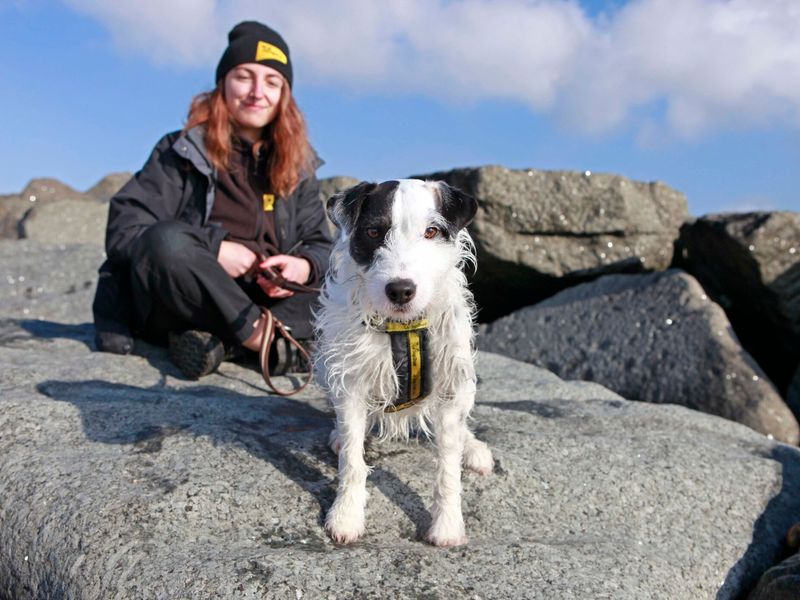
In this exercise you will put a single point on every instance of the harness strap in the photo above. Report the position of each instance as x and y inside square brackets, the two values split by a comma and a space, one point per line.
[409, 343]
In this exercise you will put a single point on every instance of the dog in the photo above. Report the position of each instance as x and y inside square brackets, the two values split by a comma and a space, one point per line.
[395, 337]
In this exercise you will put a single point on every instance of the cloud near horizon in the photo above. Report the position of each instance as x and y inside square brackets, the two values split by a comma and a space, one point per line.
[665, 68]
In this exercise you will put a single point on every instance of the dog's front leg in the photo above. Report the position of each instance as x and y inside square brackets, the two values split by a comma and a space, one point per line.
[345, 520]
[447, 523]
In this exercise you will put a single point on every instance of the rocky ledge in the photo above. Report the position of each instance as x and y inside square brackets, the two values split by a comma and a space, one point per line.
[119, 479]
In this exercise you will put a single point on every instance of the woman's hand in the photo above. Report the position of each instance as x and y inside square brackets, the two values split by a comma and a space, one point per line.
[292, 268]
[235, 258]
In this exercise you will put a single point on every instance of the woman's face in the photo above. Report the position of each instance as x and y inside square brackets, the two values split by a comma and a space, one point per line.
[252, 93]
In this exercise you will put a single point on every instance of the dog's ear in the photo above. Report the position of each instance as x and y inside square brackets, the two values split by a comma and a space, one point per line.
[457, 207]
[343, 208]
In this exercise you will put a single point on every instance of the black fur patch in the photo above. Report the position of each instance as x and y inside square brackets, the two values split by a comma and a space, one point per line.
[364, 209]
[456, 207]
[375, 216]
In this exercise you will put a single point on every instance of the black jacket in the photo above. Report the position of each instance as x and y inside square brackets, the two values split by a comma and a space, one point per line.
[178, 182]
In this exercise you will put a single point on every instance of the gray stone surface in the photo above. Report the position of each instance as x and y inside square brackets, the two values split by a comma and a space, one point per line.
[537, 232]
[654, 337]
[109, 185]
[38, 193]
[119, 479]
[750, 264]
[46, 281]
[12, 209]
[66, 222]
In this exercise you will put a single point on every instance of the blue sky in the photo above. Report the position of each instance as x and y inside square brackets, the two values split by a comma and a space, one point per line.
[703, 95]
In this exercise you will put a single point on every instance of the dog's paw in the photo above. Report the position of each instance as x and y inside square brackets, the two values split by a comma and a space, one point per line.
[344, 530]
[447, 534]
[344, 527]
[478, 457]
[335, 442]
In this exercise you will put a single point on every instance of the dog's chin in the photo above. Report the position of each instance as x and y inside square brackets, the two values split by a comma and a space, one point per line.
[401, 312]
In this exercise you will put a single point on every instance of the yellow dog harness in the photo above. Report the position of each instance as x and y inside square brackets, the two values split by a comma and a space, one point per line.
[409, 341]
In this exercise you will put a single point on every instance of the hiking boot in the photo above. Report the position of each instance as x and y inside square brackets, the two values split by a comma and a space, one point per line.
[196, 353]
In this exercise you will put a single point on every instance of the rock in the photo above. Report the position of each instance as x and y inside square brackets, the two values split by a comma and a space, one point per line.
[12, 209]
[66, 222]
[38, 192]
[330, 186]
[109, 185]
[43, 190]
[41, 281]
[656, 338]
[118, 478]
[538, 232]
[750, 264]
[781, 582]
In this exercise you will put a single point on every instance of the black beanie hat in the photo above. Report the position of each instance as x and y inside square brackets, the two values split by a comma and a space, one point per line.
[254, 42]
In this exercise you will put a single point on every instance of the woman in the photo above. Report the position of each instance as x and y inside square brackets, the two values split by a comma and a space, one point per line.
[216, 205]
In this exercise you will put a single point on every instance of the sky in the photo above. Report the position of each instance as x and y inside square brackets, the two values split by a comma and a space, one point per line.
[703, 95]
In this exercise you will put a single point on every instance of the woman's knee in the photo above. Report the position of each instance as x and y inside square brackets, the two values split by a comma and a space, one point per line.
[168, 244]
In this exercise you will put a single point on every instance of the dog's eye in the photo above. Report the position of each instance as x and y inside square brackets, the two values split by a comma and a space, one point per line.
[431, 232]
[373, 232]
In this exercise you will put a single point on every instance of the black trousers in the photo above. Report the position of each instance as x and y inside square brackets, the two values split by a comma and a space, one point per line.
[178, 284]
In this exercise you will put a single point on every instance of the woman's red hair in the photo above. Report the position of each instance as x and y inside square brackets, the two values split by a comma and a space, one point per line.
[289, 150]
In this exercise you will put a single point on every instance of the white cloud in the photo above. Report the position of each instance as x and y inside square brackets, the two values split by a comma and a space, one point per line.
[694, 64]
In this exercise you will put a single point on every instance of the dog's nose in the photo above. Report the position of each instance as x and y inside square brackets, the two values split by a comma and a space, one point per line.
[401, 291]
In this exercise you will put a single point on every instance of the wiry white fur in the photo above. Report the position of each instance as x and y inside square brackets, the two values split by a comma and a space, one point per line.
[353, 361]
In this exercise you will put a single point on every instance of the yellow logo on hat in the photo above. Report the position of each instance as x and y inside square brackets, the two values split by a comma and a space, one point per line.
[266, 51]
[269, 202]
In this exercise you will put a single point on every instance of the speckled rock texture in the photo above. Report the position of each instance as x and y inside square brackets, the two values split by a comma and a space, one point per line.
[66, 222]
[109, 185]
[38, 192]
[654, 337]
[538, 232]
[119, 479]
[750, 264]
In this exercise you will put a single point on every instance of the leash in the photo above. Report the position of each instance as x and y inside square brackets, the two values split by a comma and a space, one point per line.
[279, 280]
[272, 325]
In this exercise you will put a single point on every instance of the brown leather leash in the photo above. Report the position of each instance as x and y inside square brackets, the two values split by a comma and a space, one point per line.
[273, 324]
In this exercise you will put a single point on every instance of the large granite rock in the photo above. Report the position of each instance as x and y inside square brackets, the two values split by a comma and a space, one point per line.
[538, 232]
[66, 222]
[38, 193]
[654, 337]
[119, 479]
[12, 209]
[45, 281]
[109, 185]
[750, 264]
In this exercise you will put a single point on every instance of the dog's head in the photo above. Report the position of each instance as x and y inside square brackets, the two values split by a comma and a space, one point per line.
[404, 236]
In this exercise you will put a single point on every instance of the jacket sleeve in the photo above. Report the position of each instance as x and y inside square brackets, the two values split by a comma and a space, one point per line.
[312, 229]
[153, 194]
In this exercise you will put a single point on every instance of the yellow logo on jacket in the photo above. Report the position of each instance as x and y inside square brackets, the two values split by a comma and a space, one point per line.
[265, 51]
[269, 202]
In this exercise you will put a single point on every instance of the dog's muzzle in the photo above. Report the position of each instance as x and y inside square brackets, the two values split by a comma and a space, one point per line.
[409, 341]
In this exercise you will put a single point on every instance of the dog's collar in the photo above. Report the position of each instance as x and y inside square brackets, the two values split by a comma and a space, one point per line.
[409, 342]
